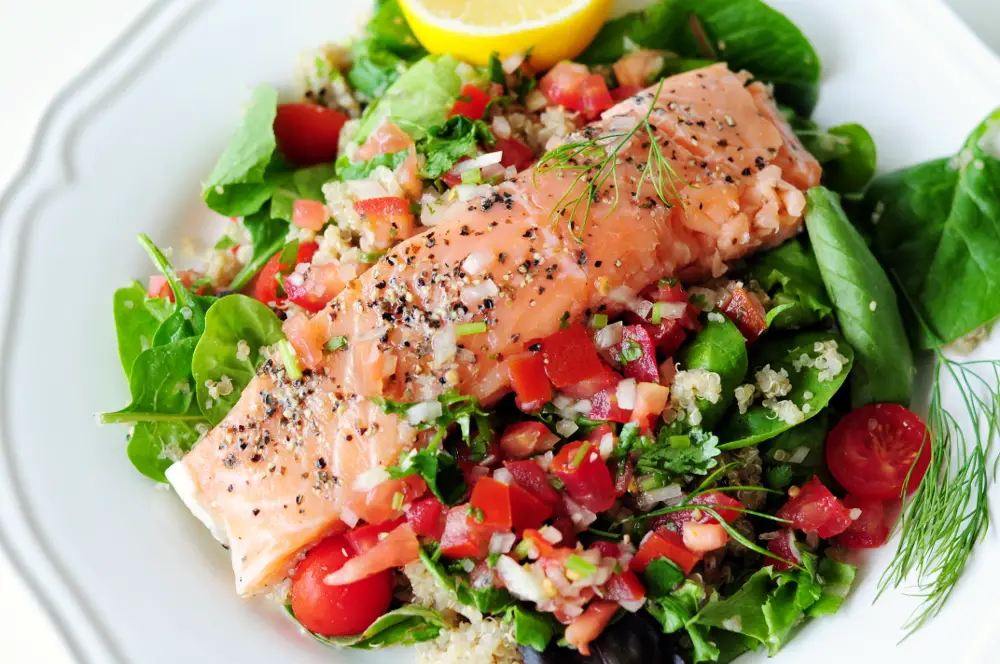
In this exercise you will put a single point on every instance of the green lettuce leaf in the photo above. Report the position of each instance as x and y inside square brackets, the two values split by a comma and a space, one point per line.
[791, 277]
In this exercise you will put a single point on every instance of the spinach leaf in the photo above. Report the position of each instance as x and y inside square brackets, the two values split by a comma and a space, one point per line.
[390, 31]
[446, 144]
[810, 359]
[809, 436]
[373, 68]
[136, 321]
[268, 236]
[405, 626]
[692, 453]
[791, 277]
[864, 302]
[531, 628]
[679, 610]
[936, 229]
[362, 169]
[745, 33]
[720, 348]
[847, 153]
[418, 99]
[188, 317]
[238, 184]
[662, 576]
[237, 328]
[155, 446]
[437, 468]
[304, 183]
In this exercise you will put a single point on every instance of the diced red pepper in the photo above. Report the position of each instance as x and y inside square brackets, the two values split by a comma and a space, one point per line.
[514, 153]
[870, 530]
[667, 336]
[604, 407]
[492, 498]
[607, 379]
[527, 511]
[426, 517]
[463, 537]
[624, 587]
[664, 543]
[636, 353]
[530, 476]
[521, 440]
[265, 287]
[471, 102]
[746, 311]
[528, 378]
[813, 509]
[570, 356]
[586, 476]
[714, 499]
[385, 220]
[366, 537]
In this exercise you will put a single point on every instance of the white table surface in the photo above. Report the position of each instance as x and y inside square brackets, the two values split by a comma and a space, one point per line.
[44, 44]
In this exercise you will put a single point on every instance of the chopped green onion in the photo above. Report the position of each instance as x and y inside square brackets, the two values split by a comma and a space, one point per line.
[465, 329]
[582, 567]
[522, 549]
[679, 441]
[492, 559]
[291, 362]
[667, 281]
[580, 455]
[657, 316]
[631, 351]
[650, 483]
[564, 321]
[698, 300]
[476, 514]
[225, 242]
[290, 253]
[397, 500]
[335, 343]
[598, 321]
[472, 176]
[370, 256]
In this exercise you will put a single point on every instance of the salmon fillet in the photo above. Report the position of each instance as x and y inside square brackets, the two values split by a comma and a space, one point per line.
[295, 460]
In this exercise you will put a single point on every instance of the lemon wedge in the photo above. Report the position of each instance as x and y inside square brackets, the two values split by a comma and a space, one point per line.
[553, 30]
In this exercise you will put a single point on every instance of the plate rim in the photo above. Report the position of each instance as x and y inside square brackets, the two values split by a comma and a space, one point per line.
[86, 637]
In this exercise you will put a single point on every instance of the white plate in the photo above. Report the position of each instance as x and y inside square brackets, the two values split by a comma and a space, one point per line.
[126, 571]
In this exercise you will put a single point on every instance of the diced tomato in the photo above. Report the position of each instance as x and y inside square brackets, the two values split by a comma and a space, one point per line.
[565, 527]
[584, 629]
[400, 547]
[667, 336]
[785, 548]
[514, 153]
[604, 407]
[492, 498]
[543, 547]
[607, 549]
[623, 92]
[668, 290]
[530, 476]
[528, 379]
[704, 537]
[386, 139]
[650, 400]
[385, 220]
[635, 352]
[871, 450]
[868, 531]
[714, 499]
[527, 511]
[158, 286]
[521, 440]
[314, 290]
[639, 68]
[310, 214]
[624, 587]
[307, 337]
[745, 310]
[463, 537]
[366, 537]
[570, 356]
[308, 134]
[265, 288]
[586, 476]
[337, 610]
[664, 543]
[563, 84]
[471, 102]
[597, 434]
[813, 509]
[426, 517]
[607, 379]
[594, 97]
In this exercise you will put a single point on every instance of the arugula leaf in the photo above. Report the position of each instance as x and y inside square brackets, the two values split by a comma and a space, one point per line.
[373, 68]
[389, 30]
[938, 235]
[864, 301]
[662, 576]
[304, 183]
[268, 236]
[720, 348]
[437, 468]
[137, 318]
[760, 423]
[847, 153]
[791, 277]
[691, 454]
[238, 184]
[362, 169]
[446, 144]
[745, 33]
[232, 320]
[531, 628]
[405, 626]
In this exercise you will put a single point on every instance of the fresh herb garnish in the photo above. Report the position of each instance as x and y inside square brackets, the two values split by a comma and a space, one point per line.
[335, 343]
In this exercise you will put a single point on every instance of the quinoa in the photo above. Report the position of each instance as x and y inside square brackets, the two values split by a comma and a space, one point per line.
[489, 641]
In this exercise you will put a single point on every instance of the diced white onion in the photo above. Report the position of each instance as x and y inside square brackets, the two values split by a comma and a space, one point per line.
[501, 127]
[376, 333]
[466, 192]
[609, 335]
[372, 477]
[389, 366]
[510, 172]
[512, 62]
[519, 581]
[579, 515]
[566, 428]
[493, 171]
[477, 261]
[632, 605]
[799, 455]
[583, 406]
[626, 394]
[503, 476]
[425, 411]
[473, 295]
[624, 295]
[561, 401]
[607, 445]
[480, 161]
[672, 309]
[468, 565]
[348, 517]
[444, 345]
[648, 499]
[550, 534]
[502, 542]
[365, 189]
[544, 460]
[535, 101]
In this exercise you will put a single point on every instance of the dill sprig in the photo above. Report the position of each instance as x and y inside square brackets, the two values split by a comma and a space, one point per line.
[948, 514]
[595, 162]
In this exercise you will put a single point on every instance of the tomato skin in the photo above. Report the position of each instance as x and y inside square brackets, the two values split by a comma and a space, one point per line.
[530, 476]
[594, 97]
[588, 480]
[715, 499]
[308, 134]
[644, 368]
[265, 288]
[813, 509]
[604, 407]
[868, 531]
[314, 290]
[870, 451]
[463, 537]
[521, 440]
[364, 538]
[514, 153]
[570, 356]
[528, 378]
[426, 517]
[473, 106]
[492, 498]
[783, 546]
[746, 312]
[563, 84]
[587, 388]
[624, 587]
[158, 286]
[337, 610]
[527, 510]
[664, 543]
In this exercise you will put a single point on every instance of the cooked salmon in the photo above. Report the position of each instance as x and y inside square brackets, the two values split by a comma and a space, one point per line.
[297, 460]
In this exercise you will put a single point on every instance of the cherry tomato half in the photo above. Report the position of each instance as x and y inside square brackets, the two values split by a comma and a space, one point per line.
[872, 449]
[308, 134]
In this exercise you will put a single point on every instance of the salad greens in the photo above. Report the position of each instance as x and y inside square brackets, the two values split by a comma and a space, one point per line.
[720, 348]
[136, 321]
[444, 145]
[847, 153]
[791, 277]
[405, 626]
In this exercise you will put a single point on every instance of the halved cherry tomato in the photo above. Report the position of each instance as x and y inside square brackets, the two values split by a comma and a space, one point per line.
[308, 134]
[813, 509]
[664, 543]
[527, 510]
[563, 84]
[514, 153]
[530, 476]
[636, 354]
[426, 517]
[650, 400]
[745, 310]
[492, 498]
[871, 450]
[624, 587]
[604, 407]
[704, 537]
[570, 356]
[265, 288]
[366, 537]
[385, 220]
[594, 97]
[337, 610]
[527, 377]
[314, 290]
[521, 440]
[586, 476]
[584, 629]
[463, 536]
[868, 531]
[471, 102]
[717, 500]
[785, 547]
[310, 214]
